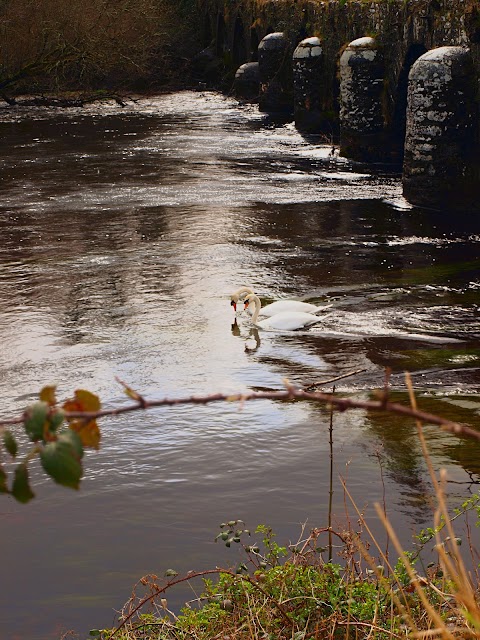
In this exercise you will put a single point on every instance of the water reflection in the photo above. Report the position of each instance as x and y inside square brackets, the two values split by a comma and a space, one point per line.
[123, 233]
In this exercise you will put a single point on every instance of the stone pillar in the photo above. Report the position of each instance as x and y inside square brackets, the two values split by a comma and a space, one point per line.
[362, 135]
[274, 67]
[308, 86]
[247, 83]
[441, 163]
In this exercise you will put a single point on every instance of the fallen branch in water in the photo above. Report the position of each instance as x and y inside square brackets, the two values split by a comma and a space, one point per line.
[66, 101]
[314, 385]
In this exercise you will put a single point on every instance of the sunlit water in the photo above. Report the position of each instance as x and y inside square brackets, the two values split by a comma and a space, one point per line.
[123, 233]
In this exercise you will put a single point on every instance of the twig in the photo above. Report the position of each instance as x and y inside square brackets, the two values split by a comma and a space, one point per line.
[330, 493]
[313, 385]
[342, 404]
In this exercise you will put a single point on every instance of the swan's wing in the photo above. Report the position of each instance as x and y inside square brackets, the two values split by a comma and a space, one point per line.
[283, 306]
[288, 321]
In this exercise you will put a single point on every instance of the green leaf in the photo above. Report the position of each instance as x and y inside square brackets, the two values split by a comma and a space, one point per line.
[3, 482]
[61, 461]
[55, 419]
[34, 420]
[21, 487]
[10, 443]
[68, 435]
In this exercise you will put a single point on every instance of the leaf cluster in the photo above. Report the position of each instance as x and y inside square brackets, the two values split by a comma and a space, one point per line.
[57, 438]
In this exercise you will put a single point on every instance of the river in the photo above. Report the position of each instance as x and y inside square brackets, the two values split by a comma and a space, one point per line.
[124, 231]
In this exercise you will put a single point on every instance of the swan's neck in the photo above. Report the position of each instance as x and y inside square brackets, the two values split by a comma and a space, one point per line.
[244, 291]
[241, 293]
[258, 306]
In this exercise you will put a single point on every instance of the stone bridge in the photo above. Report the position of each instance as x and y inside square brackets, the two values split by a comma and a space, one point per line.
[396, 81]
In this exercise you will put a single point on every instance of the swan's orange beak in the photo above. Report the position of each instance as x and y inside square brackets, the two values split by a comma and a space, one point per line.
[245, 304]
[234, 305]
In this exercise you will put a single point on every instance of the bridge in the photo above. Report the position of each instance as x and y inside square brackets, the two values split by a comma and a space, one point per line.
[395, 81]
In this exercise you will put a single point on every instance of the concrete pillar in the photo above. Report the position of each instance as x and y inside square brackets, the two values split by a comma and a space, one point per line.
[308, 86]
[362, 135]
[441, 162]
[247, 83]
[274, 66]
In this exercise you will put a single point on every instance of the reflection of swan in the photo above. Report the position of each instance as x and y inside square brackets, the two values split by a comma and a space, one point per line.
[253, 342]
[235, 328]
[254, 336]
[280, 306]
[284, 321]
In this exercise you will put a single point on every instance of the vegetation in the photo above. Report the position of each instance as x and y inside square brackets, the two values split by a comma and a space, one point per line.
[94, 44]
[297, 592]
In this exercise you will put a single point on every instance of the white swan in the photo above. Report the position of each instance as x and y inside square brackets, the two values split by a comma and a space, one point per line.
[284, 321]
[280, 306]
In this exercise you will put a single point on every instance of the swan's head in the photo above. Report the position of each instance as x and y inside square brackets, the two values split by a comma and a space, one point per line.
[238, 295]
[248, 299]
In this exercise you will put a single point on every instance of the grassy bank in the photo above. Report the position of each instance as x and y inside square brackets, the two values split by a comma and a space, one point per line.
[328, 585]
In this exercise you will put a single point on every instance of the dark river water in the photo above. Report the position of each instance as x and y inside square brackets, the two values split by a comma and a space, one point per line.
[123, 232]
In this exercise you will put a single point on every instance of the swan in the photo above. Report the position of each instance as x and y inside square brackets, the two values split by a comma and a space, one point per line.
[284, 321]
[280, 306]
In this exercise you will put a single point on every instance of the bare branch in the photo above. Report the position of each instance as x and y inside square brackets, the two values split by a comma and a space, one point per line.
[291, 393]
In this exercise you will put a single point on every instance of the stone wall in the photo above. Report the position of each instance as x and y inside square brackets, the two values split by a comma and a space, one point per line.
[402, 28]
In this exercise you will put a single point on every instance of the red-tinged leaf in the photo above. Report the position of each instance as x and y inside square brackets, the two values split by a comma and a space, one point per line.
[35, 418]
[3, 482]
[10, 443]
[89, 401]
[84, 401]
[21, 490]
[62, 463]
[88, 432]
[72, 405]
[47, 394]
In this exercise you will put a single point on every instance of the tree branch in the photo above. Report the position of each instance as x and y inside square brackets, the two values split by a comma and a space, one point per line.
[291, 393]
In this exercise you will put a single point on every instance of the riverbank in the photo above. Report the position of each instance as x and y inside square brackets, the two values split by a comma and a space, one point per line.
[57, 47]
[301, 591]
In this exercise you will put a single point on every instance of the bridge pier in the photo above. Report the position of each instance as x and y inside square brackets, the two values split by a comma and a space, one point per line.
[247, 81]
[275, 71]
[362, 131]
[309, 86]
[441, 165]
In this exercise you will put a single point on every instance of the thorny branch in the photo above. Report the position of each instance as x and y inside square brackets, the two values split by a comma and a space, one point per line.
[290, 393]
